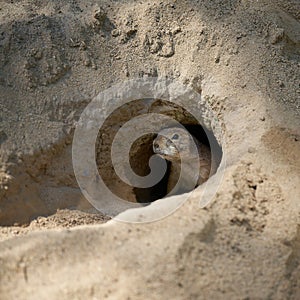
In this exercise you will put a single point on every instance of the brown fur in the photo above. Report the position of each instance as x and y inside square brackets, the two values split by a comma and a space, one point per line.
[174, 144]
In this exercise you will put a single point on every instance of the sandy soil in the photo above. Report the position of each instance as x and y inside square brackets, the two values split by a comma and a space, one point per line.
[243, 57]
[62, 219]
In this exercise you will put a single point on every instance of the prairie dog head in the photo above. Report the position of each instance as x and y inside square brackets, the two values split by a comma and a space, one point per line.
[173, 143]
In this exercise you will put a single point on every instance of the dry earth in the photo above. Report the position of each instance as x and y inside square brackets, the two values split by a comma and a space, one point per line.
[243, 57]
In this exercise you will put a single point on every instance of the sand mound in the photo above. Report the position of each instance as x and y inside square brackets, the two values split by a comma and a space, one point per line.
[242, 57]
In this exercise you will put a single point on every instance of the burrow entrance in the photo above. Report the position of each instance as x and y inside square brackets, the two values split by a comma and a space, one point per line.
[142, 149]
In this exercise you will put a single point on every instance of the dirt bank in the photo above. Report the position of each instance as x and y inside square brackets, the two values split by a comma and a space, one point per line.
[242, 57]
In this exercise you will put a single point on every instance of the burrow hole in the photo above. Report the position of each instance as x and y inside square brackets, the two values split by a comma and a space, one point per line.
[142, 148]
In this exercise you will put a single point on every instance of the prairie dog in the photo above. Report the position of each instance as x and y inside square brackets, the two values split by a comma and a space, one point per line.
[174, 144]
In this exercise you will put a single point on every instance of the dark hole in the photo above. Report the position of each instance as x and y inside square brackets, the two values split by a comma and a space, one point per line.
[254, 187]
[142, 150]
[158, 191]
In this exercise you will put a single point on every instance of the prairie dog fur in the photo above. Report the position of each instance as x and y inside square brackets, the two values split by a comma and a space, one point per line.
[174, 144]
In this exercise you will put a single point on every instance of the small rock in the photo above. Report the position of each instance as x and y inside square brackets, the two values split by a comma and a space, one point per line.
[82, 46]
[94, 66]
[126, 71]
[167, 50]
[38, 54]
[115, 32]
[99, 14]
[217, 59]
[276, 36]
[197, 84]
[86, 59]
[176, 30]
[177, 74]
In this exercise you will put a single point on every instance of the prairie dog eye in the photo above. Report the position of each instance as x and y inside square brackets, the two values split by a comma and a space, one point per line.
[175, 136]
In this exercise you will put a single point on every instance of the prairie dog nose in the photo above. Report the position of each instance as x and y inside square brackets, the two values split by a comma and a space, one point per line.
[155, 146]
